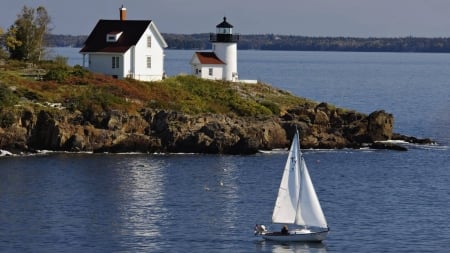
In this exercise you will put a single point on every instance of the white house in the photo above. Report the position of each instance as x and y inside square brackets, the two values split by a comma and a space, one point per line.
[221, 63]
[125, 48]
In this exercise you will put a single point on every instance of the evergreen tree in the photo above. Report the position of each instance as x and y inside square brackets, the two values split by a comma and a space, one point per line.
[25, 38]
[3, 54]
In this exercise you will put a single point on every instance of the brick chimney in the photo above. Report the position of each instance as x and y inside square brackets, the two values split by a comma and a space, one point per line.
[123, 13]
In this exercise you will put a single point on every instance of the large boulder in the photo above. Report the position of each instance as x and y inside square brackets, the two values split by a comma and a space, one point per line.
[46, 134]
[380, 126]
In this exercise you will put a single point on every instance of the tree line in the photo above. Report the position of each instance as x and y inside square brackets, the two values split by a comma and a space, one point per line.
[289, 43]
[304, 43]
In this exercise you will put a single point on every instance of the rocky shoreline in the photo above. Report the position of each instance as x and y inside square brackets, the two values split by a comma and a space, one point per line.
[321, 126]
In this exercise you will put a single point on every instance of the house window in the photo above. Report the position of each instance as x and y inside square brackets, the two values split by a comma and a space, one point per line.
[115, 62]
[149, 62]
[149, 41]
[210, 71]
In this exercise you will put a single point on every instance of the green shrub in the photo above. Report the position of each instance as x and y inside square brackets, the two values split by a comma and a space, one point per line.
[273, 107]
[248, 108]
[95, 99]
[79, 71]
[7, 97]
[57, 74]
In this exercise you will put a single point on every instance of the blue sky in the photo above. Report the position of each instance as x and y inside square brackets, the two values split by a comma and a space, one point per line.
[358, 18]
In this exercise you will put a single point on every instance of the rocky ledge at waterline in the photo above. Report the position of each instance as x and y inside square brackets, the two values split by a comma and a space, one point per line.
[151, 131]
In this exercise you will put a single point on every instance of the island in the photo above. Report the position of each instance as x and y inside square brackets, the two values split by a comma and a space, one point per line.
[53, 106]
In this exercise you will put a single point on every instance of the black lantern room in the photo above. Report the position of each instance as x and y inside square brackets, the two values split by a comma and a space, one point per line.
[224, 33]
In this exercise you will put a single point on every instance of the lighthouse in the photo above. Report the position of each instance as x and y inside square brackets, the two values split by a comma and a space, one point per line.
[221, 63]
[224, 45]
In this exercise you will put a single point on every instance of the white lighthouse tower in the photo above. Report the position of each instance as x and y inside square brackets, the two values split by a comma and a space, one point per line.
[221, 63]
[224, 45]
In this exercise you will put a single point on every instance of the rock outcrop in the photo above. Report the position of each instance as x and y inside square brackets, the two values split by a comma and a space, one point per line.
[149, 130]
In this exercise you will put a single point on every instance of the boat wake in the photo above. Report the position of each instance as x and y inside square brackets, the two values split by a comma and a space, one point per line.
[416, 146]
[5, 153]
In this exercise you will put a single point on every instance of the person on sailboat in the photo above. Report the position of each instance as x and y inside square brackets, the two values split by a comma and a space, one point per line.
[285, 230]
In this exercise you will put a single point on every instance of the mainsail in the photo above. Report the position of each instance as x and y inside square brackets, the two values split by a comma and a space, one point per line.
[286, 204]
[297, 202]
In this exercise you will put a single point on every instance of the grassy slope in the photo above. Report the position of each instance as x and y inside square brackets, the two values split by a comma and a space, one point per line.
[78, 89]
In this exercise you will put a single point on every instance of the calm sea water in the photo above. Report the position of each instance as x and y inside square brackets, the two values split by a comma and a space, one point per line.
[375, 201]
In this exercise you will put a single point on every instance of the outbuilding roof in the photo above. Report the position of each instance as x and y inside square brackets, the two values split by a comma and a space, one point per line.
[208, 58]
[132, 31]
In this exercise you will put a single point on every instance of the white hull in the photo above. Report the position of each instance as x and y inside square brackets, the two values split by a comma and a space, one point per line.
[296, 236]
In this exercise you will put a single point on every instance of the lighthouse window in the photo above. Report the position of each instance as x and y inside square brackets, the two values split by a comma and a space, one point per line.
[224, 31]
[210, 71]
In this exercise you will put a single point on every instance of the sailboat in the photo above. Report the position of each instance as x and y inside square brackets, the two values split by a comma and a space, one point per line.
[297, 204]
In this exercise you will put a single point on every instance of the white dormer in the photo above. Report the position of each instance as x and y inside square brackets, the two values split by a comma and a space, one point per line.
[113, 36]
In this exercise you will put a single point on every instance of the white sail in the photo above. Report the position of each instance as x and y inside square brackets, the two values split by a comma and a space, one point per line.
[309, 212]
[286, 204]
[297, 202]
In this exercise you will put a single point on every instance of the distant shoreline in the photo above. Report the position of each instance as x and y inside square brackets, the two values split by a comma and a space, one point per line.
[289, 43]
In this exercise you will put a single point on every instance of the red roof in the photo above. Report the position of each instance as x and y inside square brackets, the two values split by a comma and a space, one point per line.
[208, 58]
[132, 32]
